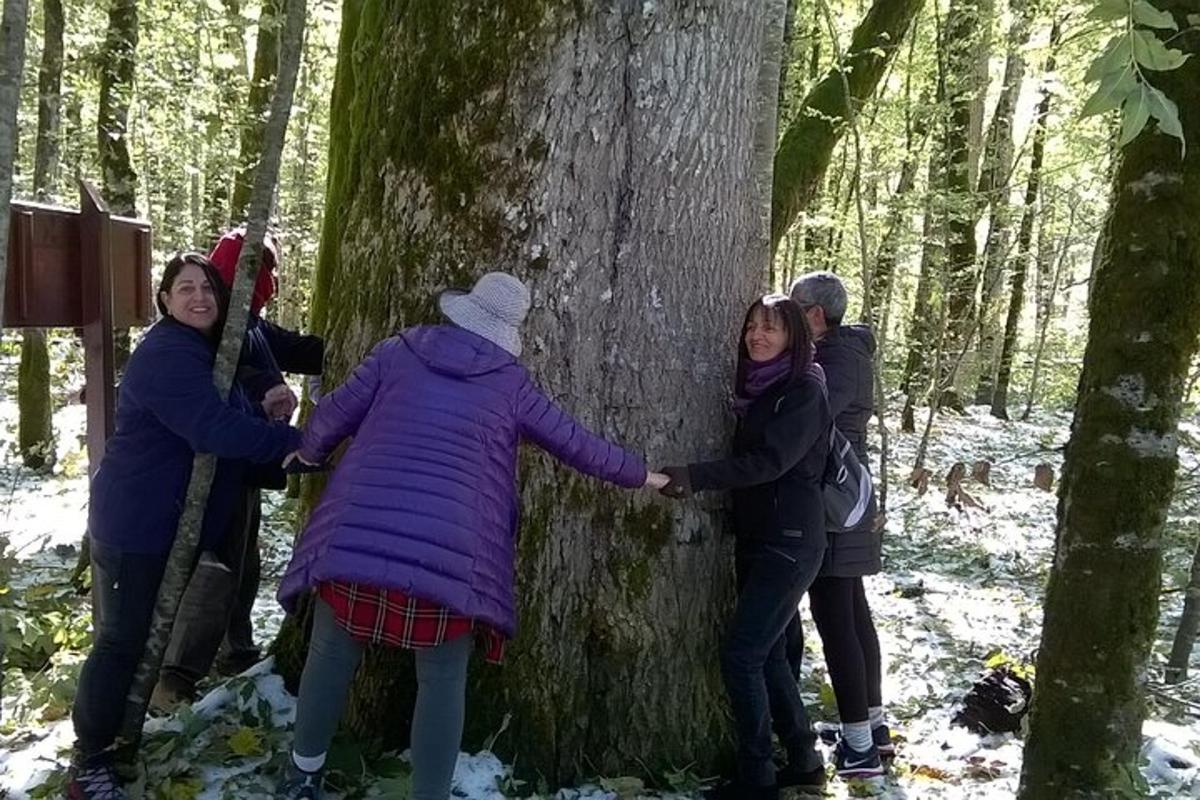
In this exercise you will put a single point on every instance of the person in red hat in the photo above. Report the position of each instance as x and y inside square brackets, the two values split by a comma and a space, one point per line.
[213, 623]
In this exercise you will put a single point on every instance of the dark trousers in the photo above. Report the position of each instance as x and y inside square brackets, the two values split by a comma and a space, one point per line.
[125, 588]
[771, 578]
[843, 617]
[214, 606]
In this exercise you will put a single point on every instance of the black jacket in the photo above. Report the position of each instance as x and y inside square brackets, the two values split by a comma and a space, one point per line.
[267, 352]
[845, 353]
[779, 453]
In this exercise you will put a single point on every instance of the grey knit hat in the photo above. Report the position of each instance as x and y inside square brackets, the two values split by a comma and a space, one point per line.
[493, 309]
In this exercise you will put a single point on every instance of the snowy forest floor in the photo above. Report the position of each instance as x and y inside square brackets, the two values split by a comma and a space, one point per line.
[960, 588]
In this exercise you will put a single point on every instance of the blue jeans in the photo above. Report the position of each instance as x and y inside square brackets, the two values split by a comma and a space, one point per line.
[124, 591]
[772, 576]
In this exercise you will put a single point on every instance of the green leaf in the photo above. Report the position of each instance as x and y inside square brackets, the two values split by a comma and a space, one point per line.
[1151, 53]
[1115, 57]
[246, 742]
[1194, 20]
[1134, 115]
[1151, 17]
[1114, 88]
[1166, 113]
[1109, 10]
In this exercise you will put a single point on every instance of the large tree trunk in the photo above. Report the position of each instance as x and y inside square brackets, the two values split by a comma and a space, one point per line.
[183, 549]
[1101, 608]
[12, 61]
[254, 121]
[1189, 625]
[35, 428]
[220, 137]
[807, 146]
[1020, 264]
[611, 158]
[994, 182]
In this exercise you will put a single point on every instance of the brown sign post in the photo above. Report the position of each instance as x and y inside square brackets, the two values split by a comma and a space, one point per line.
[81, 269]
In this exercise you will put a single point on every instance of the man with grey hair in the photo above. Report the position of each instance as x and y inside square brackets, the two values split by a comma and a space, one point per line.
[837, 598]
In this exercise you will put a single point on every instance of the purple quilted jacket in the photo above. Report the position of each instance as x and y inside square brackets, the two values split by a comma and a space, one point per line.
[425, 500]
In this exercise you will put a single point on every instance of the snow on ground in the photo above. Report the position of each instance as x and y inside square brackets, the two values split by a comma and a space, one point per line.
[959, 588]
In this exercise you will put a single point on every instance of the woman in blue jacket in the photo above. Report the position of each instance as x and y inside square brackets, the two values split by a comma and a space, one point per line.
[168, 410]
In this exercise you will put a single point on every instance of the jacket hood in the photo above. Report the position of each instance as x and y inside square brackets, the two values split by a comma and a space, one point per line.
[452, 350]
[856, 337]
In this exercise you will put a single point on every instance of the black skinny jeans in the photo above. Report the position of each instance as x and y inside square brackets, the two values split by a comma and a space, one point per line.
[843, 617]
[772, 576]
[124, 589]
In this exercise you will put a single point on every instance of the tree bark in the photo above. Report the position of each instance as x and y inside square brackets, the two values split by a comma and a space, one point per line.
[1101, 607]
[1189, 625]
[1044, 325]
[183, 550]
[266, 61]
[12, 61]
[806, 147]
[561, 152]
[994, 181]
[1020, 266]
[117, 60]
[35, 418]
[960, 44]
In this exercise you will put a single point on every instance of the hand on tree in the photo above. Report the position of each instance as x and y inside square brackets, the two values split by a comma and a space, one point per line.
[279, 402]
[679, 485]
[296, 456]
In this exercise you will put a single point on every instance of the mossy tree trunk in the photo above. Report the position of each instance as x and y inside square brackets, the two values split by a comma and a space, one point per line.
[254, 120]
[1101, 607]
[612, 157]
[962, 38]
[13, 23]
[1024, 245]
[117, 61]
[807, 146]
[995, 175]
[35, 429]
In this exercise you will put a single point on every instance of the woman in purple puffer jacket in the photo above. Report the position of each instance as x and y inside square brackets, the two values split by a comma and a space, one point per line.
[413, 542]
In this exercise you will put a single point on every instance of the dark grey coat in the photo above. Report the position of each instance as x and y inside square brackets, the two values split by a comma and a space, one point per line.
[845, 353]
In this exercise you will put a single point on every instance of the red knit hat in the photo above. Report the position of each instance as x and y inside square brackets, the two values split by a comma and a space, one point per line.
[225, 257]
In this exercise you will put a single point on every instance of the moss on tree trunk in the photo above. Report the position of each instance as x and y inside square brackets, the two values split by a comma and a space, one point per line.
[1119, 472]
[607, 156]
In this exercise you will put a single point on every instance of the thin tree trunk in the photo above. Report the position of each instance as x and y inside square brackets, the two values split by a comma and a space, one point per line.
[804, 152]
[994, 182]
[12, 62]
[35, 417]
[923, 332]
[1118, 477]
[622, 599]
[960, 43]
[1020, 265]
[1189, 625]
[266, 60]
[1044, 327]
[183, 551]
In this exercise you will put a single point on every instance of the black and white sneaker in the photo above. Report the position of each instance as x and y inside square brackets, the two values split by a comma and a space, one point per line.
[853, 764]
[298, 784]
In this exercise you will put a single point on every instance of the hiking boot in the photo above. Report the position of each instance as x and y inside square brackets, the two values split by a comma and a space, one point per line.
[736, 790]
[808, 781]
[853, 764]
[883, 742]
[230, 663]
[95, 783]
[297, 784]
